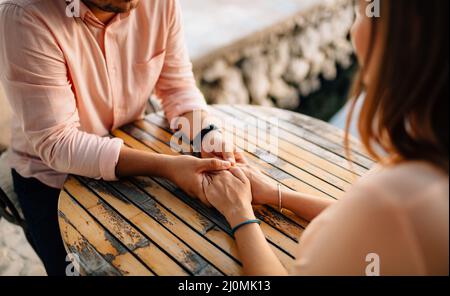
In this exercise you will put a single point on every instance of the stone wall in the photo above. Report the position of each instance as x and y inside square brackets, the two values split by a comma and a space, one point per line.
[282, 65]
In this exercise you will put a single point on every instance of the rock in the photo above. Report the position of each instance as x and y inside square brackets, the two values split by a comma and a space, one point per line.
[252, 51]
[343, 52]
[256, 70]
[285, 96]
[224, 84]
[309, 86]
[327, 33]
[309, 42]
[297, 71]
[33, 269]
[287, 63]
[329, 70]
[10, 263]
[279, 59]
[233, 84]
[316, 60]
[215, 72]
[232, 89]
[16, 255]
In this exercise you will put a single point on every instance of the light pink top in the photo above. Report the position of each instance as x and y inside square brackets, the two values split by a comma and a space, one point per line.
[71, 80]
[393, 222]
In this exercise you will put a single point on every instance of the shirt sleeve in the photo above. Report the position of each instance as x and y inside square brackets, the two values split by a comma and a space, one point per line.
[34, 75]
[176, 86]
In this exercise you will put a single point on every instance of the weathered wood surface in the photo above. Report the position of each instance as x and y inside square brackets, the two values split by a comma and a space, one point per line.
[148, 226]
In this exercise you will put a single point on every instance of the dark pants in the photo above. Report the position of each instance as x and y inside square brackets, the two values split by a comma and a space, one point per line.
[39, 204]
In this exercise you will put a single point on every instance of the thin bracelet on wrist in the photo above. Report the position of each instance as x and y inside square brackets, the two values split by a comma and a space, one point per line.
[280, 199]
[240, 225]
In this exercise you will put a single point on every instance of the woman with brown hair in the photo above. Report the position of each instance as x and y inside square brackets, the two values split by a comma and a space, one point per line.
[395, 220]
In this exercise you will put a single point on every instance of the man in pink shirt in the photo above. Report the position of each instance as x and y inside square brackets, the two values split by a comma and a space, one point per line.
[71, 79]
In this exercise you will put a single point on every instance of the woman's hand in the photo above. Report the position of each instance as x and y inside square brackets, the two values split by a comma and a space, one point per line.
[230, 193]
[264, 189]
[188, 173]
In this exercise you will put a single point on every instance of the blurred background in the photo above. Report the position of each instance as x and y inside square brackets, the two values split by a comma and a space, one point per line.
[291, 54]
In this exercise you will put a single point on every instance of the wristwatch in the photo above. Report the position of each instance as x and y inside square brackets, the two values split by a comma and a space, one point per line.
[197, 141]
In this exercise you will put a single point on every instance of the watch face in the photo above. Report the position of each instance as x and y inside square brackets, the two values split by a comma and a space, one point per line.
[197, 141]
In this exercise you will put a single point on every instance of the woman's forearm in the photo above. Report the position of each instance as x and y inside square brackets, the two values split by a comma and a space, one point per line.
[255, 253]
[133, 162]
[303, 205]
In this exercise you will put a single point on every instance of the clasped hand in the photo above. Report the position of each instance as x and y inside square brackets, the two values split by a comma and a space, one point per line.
[230, 189]
[232, 192]
[225, 181]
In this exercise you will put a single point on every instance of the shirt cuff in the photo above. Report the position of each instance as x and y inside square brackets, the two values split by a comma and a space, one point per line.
[109, 158]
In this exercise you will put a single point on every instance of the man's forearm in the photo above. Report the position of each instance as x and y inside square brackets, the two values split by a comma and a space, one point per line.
[134, 162]
[197, 120]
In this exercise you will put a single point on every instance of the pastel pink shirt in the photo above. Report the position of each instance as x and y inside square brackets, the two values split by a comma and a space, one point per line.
[71, 80]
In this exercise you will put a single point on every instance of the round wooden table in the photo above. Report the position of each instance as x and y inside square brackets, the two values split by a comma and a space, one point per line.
[148, 226]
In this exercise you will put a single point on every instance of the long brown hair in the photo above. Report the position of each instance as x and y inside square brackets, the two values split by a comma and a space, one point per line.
[405, 110]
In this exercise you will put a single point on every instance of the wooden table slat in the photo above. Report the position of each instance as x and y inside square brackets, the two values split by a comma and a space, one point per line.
[148, 226]
[139, 145]
[332, 152]
[212, 214]
[279, 218]
[311, 125]
[322, 139]
[315, 150]
[125, 232]
[107, 246]
[171, 202]
[216, 235]
[332, 186]
[269, 169]
[275, 219]
[90, 262]
[320, 163]
[314, 125]
[183, 211]
[179, 228]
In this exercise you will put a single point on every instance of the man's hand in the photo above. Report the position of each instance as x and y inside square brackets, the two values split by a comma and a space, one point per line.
[215, 145]
[188, 173]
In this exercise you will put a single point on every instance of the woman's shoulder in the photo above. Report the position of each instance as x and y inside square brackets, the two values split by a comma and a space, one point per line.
[382, 214]
[409, 203]
[406, 182]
